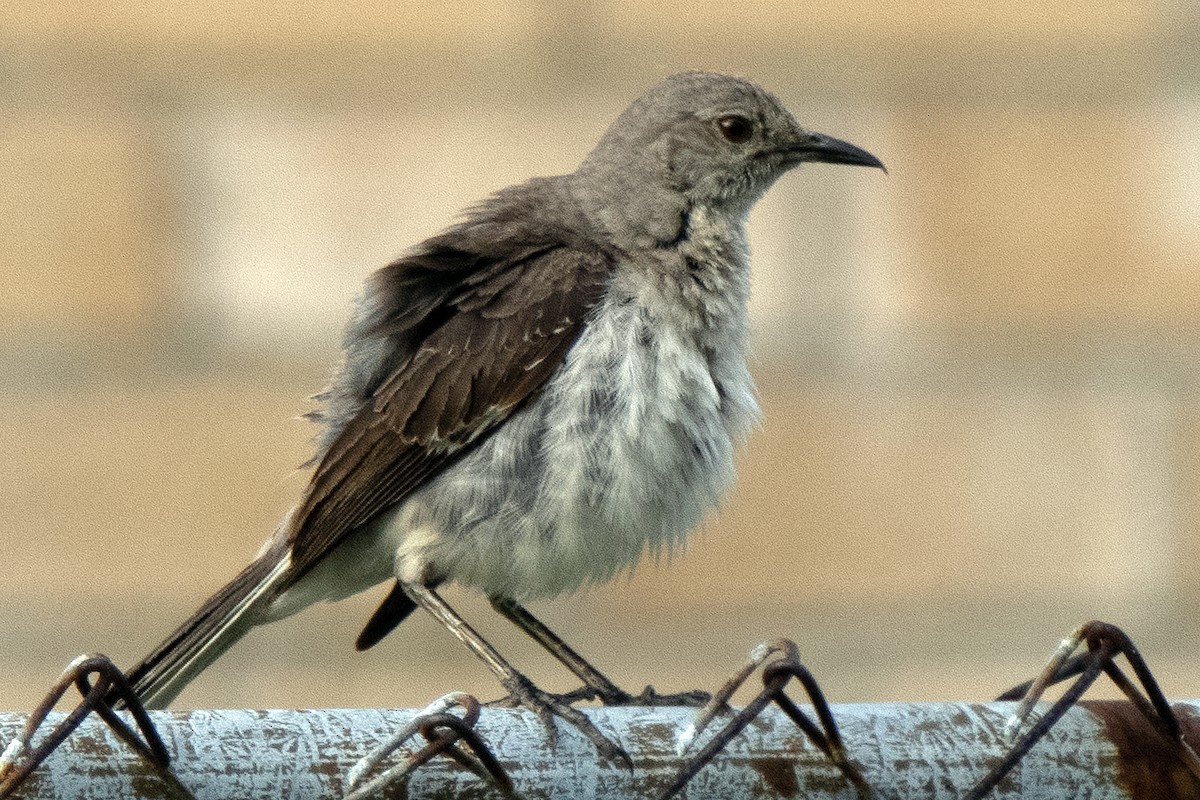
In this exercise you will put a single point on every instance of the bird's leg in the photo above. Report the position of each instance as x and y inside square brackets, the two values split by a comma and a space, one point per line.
[600, 686]
[520, 688]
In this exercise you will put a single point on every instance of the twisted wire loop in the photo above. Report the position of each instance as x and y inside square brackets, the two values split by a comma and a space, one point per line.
[442, 731]
[775, 676]
[21, 758]
[1104, 643]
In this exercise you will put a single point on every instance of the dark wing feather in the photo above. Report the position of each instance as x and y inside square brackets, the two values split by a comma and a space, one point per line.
[475, 352]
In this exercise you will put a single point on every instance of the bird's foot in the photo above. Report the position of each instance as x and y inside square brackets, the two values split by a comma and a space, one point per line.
[615, 696]
[522, 692]
[695, 698]
[649, 696]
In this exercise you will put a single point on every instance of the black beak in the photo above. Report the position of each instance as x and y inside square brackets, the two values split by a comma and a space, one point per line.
[819, 147]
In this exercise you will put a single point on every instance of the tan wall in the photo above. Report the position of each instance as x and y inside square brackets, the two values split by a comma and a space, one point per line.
[979, 373]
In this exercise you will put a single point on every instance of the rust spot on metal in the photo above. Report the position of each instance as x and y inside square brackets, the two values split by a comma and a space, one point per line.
[778, 774]
[329, 768]
[1189, 723]
[653, 735]
[147, 784]
[1147, 763]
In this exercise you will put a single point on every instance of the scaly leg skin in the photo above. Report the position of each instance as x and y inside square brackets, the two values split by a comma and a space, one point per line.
[595, 684]
[521, 690]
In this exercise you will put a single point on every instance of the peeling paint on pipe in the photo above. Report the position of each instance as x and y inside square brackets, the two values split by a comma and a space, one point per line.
[930, 751]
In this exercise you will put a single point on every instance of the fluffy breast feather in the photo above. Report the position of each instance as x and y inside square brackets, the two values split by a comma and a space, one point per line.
[627, 447]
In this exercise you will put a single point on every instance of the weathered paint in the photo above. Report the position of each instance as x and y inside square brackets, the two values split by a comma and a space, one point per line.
[933, 751]
[1147, 766]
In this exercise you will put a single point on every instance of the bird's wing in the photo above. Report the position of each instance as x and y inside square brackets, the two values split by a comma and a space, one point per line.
[471, 356]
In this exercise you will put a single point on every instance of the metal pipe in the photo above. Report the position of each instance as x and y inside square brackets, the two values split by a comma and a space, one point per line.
[1099, 750]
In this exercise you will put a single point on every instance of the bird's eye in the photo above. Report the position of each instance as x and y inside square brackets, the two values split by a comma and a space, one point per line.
[736, 128]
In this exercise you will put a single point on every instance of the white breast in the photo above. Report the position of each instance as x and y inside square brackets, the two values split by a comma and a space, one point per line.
[623, 452]
[630, 443]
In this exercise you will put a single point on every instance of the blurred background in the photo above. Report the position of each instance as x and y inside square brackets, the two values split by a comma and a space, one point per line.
[980, 373]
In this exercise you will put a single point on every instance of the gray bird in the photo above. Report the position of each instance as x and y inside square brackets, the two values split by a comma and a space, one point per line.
[532, 399]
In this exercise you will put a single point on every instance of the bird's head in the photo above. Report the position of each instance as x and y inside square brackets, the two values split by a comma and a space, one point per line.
[714, 139]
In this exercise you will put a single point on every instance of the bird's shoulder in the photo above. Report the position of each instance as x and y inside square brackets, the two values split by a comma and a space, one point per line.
[526, 248]
[447, 343]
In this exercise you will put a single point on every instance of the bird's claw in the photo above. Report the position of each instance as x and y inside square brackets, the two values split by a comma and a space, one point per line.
[522, 692]
[695, 698]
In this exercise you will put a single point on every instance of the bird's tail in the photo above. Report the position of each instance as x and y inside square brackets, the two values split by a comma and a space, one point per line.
[224, 619]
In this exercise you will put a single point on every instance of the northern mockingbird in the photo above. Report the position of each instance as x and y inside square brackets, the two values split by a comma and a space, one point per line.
[532, 399]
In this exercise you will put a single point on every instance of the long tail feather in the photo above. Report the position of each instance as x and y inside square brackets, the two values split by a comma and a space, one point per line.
[224, 619]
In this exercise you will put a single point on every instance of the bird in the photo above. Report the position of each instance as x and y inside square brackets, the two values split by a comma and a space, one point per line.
[532, 399]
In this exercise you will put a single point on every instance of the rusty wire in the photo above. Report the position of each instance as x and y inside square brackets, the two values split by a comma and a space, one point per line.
[775, 677]
[21, 758]
[103, 687]
[442, 731]
[1104, 643]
